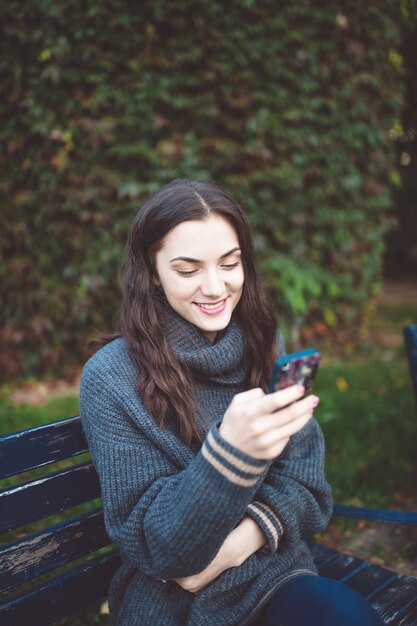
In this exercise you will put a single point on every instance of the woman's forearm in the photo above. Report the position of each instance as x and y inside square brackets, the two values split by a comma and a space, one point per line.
[244, 540]
[240, 544]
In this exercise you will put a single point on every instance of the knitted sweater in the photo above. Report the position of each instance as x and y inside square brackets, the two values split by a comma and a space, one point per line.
[169, 508]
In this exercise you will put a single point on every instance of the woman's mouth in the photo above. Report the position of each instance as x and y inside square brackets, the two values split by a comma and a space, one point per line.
[212, 308]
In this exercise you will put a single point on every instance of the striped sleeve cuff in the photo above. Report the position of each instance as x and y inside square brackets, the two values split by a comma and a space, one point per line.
[269, 521]
[238, 467]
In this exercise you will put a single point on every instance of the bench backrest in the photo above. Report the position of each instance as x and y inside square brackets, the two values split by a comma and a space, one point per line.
[54, 594]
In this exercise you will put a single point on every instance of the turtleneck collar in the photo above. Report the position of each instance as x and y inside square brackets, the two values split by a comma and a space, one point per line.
[221, 362]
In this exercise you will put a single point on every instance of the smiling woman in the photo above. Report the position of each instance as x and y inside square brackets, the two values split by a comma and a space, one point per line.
[184, 242]
[200, 271]
[209, 484]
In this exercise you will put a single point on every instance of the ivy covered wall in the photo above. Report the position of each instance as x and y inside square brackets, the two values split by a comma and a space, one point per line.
[286, 105]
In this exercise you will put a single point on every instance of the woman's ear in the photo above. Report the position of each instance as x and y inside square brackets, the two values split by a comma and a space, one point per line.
[155, 279]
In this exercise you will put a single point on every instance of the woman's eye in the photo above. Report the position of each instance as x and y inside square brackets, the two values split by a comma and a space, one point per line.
[186, 272]
[230, 266]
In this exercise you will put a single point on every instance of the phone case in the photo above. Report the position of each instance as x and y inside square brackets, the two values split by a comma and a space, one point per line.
[298, 368]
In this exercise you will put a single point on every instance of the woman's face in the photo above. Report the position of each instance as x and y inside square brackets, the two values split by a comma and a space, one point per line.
[200, 270]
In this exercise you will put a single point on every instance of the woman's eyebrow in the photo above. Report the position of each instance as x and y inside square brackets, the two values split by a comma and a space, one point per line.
[188, 259]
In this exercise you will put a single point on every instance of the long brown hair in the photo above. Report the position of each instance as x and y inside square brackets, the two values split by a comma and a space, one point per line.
[164, 382]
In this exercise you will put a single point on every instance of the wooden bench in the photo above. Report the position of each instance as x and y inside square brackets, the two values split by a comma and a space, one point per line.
[73, 561]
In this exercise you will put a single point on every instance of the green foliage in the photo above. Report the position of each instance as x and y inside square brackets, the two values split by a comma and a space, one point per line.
[368, 417]
[401, 257]
[286, 106]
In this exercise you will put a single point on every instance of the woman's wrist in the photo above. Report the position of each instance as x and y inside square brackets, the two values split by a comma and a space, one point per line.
[239, 545]
[246, 539]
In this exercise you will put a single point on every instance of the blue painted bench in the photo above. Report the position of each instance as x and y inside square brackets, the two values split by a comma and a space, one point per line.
[49, 574]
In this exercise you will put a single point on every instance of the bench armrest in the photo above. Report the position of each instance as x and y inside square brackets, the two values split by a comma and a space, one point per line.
[385, 516]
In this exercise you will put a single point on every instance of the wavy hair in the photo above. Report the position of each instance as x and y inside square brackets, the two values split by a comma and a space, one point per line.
[164, 382]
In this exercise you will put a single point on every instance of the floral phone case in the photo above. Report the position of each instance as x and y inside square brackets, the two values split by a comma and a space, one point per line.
[298, 368]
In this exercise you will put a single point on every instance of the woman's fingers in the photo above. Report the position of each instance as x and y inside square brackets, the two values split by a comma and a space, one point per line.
[248, 396]
[290, 413]
[261, 425]
[287, 430]
[271, 444]
[272, 432]
[257, 402]
[274, 401]
[260, 421]
[269, 412]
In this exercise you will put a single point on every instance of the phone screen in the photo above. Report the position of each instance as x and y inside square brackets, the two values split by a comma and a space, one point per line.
[298, 368]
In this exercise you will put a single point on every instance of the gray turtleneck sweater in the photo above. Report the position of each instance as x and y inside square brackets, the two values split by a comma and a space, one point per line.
[169, 508]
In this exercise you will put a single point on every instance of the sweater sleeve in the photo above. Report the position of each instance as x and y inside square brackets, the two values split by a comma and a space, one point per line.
[294, 500]
[169, 522]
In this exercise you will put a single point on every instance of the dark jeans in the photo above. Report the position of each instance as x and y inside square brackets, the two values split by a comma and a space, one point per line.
[317, 601]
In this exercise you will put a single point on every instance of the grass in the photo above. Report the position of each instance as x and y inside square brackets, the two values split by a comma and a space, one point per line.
[369, 419]
[19, 416]
[367, 414]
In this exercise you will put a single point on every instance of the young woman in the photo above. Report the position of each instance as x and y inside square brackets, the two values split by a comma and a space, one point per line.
[210, 487]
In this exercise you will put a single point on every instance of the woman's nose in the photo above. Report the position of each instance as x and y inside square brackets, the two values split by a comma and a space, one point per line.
[213, 284]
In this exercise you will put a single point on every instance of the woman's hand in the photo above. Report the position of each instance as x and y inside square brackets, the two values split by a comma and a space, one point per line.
[261, 425]
[243, 541]
[197, 582]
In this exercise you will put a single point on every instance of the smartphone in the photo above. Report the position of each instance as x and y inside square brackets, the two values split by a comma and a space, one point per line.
[298, 368]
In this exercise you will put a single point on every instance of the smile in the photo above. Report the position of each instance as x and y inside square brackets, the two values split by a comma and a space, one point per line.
[212, 309]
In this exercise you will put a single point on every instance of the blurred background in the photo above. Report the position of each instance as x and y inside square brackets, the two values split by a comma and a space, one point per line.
[305, 112]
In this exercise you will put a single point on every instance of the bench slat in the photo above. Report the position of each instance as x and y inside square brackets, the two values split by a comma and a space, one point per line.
[60, 596]
[62, 543]
[47, 495]
[323, 555]
[342, 567]
[396, 599]
[39, 446]
[371, 580]
[393, 596]
[410, 619]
